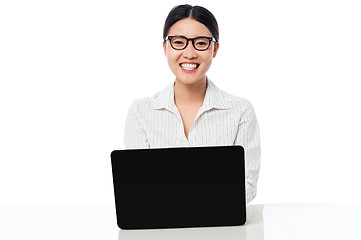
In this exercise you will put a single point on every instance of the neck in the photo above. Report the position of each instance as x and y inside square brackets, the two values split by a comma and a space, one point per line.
[190, 93]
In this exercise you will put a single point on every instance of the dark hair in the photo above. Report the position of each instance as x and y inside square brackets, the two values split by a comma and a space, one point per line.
[197, 13]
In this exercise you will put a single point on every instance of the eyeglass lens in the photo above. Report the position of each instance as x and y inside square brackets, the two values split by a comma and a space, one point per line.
[179, 43]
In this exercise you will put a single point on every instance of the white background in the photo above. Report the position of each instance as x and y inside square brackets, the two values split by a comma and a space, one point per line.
[70, 69]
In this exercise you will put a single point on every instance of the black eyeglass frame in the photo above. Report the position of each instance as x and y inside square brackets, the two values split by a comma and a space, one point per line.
[211, 39]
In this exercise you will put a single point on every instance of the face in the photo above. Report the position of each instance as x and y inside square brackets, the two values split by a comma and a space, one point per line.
[189, 28]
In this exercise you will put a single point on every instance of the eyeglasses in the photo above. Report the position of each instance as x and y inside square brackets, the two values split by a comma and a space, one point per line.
[199, 43]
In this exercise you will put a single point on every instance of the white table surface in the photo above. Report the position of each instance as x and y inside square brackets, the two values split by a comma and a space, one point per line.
[264, 221]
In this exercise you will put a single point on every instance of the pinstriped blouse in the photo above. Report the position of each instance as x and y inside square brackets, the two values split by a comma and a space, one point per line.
[222, 120]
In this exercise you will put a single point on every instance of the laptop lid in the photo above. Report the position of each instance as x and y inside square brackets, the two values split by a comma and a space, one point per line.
[179, 187]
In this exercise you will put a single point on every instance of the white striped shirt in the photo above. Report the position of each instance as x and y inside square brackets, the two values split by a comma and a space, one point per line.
[222, 120]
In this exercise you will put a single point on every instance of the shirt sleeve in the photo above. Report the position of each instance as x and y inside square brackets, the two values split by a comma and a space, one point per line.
[248, 137]
[134, 134]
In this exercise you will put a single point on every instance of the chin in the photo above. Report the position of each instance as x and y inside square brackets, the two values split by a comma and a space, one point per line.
[189, 79]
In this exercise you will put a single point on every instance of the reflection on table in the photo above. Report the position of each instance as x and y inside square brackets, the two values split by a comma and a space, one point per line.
[253, 229]
[268, 221]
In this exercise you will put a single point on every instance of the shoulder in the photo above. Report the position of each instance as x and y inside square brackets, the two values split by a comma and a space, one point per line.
[236, 103]
[140, 104]
[240, 107]
[145, 104]
[157, 101]
[237, 106]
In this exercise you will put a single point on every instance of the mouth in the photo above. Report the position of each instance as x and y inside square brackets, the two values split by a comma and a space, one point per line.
[189, 66]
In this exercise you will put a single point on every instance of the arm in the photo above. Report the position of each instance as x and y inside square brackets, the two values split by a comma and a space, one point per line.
[134, 135]
[248, 137]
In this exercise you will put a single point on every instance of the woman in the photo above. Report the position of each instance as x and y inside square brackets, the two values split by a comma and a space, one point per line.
[192, 111]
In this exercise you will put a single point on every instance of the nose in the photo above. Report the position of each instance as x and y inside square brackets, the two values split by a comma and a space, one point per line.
[190, 52]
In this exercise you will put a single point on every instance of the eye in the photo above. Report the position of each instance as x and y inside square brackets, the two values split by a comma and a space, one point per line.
[178, 42]
[201, 43]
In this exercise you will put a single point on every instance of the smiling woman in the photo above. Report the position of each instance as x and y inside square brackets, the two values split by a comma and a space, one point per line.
[192, 111]
[184, 58]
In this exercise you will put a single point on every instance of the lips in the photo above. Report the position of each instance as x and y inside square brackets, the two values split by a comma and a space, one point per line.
[189, 66]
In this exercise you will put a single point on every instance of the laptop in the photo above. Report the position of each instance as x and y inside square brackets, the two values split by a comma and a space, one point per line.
[179, 187]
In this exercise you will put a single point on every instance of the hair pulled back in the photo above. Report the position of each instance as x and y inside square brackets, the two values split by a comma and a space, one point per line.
[197, 13]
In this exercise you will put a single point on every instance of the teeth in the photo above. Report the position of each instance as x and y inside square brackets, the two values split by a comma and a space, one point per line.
[188, 66]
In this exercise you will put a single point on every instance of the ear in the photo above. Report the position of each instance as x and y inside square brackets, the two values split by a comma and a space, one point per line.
[165, 47]
[215, 50]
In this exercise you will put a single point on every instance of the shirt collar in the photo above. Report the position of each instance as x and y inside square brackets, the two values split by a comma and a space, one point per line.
[212, 99]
